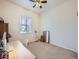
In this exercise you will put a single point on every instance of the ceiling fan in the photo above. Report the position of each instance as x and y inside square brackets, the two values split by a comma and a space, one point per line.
[38, 3]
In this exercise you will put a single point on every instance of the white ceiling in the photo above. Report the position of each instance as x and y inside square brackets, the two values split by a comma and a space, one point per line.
[28, 5]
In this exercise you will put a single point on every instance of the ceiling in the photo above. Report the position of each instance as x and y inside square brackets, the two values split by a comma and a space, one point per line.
[28, 5]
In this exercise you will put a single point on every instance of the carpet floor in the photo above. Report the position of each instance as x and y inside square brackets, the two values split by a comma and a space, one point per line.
[47, 51]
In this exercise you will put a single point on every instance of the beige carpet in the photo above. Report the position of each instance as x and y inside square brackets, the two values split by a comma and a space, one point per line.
[47, 51]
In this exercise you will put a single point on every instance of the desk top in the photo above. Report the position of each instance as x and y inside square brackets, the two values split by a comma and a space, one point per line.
[20, 52]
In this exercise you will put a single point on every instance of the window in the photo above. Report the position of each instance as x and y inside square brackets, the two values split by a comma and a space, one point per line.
[26, 24]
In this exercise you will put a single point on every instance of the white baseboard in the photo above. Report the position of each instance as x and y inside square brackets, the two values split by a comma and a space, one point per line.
[64, 47]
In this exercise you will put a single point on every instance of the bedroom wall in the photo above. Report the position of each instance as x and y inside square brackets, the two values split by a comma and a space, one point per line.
[11, 14]
[62, 24]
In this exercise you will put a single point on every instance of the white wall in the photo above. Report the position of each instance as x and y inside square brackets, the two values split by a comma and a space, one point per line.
[11, 14]
[62, 24]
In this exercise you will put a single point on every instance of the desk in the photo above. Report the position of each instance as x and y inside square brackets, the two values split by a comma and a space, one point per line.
[20, 52]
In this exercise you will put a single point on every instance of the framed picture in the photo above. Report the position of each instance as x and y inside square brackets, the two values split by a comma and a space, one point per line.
[25, 24]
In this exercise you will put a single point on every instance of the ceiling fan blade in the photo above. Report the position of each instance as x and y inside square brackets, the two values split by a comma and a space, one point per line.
[43, 1]
[32, 0]
[38, 0]
[34, 5]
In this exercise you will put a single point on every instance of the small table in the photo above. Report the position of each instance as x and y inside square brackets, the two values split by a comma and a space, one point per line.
[3, 54]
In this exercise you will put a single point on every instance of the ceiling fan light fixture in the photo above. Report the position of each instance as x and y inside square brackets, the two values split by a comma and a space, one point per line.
[40, 6]
[37, 4]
